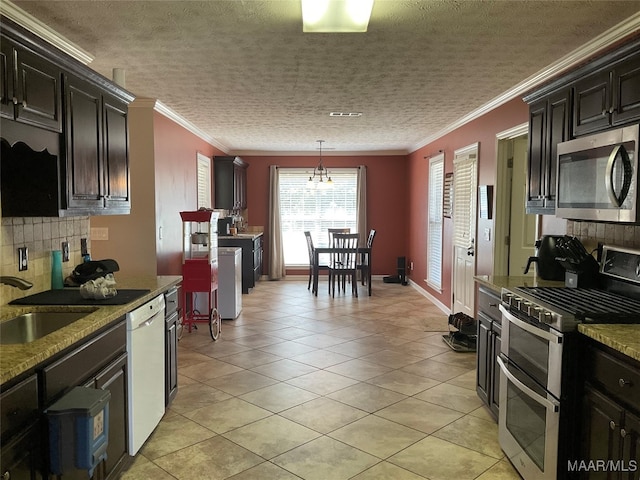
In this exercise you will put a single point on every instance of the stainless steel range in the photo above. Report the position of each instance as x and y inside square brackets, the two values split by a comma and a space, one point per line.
[539, 361]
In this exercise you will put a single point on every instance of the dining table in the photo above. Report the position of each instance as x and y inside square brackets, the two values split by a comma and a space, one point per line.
[363, 252]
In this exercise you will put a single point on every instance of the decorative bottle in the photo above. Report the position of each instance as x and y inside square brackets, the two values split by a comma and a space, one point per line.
[56, 270]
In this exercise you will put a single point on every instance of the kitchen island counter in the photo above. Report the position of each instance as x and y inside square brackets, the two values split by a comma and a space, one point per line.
[622, 338]
[19, 358]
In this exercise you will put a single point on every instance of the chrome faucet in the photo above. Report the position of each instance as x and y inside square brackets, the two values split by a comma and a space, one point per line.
[16, 282]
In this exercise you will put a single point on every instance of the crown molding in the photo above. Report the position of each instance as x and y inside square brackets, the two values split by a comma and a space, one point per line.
[627, 27]
[46, 33]
[517, 131]
[170, 114]
[306, 153]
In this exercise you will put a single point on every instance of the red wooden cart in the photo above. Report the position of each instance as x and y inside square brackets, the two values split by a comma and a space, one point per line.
[200, 269]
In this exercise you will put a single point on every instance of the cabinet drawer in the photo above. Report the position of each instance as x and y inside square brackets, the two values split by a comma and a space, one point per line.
[171, 301]
[80, 364]
[19, 405]
[620, 379]
[488, 302]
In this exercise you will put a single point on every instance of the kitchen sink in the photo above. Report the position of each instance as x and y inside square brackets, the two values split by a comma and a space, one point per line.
[31, 326]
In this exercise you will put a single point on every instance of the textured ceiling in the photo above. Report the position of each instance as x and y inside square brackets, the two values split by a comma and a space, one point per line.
[243, 72]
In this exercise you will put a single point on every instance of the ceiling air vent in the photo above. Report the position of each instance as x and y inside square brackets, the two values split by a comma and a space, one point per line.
[345, 114]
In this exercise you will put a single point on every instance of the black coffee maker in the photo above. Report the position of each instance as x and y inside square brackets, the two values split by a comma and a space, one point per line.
[224, 225]
[548, 268]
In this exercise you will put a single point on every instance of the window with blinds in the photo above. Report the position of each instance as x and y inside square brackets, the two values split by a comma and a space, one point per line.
[465, 183]
[434, 225]
[204, 181]
[314, 209]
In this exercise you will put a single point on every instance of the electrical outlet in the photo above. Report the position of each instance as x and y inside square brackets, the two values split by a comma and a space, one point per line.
[65, 251]
[411, 266]
[83, 247]
[23, 259]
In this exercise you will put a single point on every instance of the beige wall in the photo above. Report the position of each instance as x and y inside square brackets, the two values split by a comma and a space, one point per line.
[132, 238]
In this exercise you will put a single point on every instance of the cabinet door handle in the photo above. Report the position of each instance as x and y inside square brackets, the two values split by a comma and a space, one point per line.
[493, 305]
[622, 382]
[6, 475]
[15, 102]
[612, 425]
[623, 432]
[24, 104]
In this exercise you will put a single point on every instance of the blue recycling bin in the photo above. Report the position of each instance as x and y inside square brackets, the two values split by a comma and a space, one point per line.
[79, 430]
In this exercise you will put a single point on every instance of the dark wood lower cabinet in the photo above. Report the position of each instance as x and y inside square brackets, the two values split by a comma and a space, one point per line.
[114, 379]
[488, 349]
[22, 457]
[610, 445]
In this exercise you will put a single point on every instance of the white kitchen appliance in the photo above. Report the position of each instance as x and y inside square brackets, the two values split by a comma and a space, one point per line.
[229, 282]
[145, 370]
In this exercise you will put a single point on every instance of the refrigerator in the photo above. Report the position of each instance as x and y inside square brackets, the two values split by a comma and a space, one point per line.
[229, 282]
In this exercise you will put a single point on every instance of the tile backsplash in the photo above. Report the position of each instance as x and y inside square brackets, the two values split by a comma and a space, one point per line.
[590, 233]
[40, 235]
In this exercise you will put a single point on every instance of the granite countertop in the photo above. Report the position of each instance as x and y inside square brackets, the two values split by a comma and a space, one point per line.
[243, 235]
[19, 358]
[623, 338]
[496, 282]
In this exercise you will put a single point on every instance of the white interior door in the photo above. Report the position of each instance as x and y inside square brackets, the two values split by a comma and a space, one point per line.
[522, 235]
[465, 187]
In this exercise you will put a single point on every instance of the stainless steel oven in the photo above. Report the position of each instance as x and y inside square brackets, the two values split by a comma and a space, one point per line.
[538, 423]
[530, 390]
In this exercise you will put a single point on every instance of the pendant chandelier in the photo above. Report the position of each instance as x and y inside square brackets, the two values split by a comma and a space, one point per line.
[320, 177]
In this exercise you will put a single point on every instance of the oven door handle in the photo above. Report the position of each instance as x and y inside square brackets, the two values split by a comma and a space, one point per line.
[550, 404]
[538, 332]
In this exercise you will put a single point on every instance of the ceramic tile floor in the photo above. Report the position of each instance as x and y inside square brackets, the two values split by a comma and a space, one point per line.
[325, 388]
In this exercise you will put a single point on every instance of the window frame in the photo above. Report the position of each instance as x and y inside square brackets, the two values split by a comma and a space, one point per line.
[435, 222]
[316, 224]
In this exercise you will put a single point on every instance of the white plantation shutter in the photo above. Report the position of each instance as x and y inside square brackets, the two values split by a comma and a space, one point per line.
[434, 234]
[204, 181]
[465, 182]
[315, 210]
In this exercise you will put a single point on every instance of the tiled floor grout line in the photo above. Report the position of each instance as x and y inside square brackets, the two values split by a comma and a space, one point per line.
[383, 349]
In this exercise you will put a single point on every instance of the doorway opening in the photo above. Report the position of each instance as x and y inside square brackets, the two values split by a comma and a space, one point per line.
[515, 230]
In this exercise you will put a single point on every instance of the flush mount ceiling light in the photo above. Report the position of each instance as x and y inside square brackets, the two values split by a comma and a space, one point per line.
[336, 16]
[320, 177]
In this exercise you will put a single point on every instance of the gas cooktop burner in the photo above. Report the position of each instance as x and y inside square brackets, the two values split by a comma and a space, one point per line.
[588, 304]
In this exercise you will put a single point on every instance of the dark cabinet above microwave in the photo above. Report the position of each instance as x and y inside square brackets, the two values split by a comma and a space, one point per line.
[74, 123]
[596, 97]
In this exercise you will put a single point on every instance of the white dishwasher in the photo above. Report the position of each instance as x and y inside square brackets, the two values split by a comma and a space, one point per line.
[145, 349]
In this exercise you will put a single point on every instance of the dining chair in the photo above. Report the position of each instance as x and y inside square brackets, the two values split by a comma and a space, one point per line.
[343, 264]
[311, 250]
[363, 265]
[331, 231]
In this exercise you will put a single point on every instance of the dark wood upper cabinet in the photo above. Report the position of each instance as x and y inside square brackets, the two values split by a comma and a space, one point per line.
[548, 125]
[602, 94]
[230, 181]
[626, 92]
[116, 155]
[45, 88]
[83, 112]
[30, 88]
[608, 98]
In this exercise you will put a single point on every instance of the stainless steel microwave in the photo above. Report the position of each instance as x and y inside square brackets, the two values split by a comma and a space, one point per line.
[598, 177]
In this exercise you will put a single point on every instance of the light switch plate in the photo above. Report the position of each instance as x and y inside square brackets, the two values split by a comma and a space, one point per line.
[487, 234]
[23, 259]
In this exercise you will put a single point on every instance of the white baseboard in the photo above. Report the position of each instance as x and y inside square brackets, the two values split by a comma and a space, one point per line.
[430, 297]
